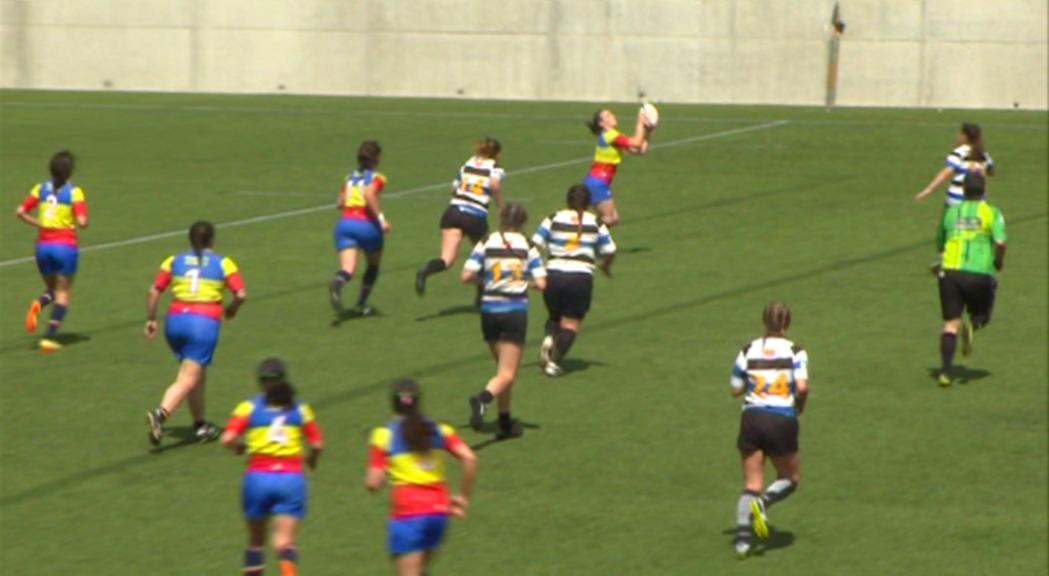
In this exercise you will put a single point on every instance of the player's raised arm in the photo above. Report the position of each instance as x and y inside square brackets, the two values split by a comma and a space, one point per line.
[942, 177]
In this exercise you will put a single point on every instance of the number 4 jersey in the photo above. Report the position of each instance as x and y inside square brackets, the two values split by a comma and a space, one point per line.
[768, 369]
[275, 436]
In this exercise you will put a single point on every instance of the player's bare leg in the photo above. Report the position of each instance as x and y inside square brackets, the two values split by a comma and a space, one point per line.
[254, 555]
[39, 303]
[189, 375]
[347, 266]
[205, 431]
[284, 528]
[410, 564]
[747, 519]
[567, 330]
[368, 280]
[608, 213]
[451, 239]
[62, 289]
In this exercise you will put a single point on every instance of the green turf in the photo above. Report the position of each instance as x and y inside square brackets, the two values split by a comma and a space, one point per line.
[632, 468]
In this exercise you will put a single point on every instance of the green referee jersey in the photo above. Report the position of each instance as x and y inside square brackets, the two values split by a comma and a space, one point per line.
[968, 234]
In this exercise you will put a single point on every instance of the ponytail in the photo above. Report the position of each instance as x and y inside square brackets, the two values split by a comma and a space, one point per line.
[415, 429]
[280, 393]
[578, 199]
[776, 318]
[974, 135]
[595, 123]
[61, 168]
[488, 148]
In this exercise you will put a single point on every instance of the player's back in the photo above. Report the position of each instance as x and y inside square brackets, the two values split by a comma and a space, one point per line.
[969, 231]
[770, 367]
[199, 277]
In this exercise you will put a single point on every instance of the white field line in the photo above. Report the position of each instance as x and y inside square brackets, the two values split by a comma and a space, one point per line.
[478, 115]
[400, 193]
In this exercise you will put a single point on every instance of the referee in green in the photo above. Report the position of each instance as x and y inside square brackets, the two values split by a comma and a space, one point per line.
[972, 240]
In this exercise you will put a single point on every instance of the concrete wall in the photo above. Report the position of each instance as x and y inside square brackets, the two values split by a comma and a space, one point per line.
[938, 53]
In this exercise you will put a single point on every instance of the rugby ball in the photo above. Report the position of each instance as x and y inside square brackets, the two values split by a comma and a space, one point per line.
[651, 114]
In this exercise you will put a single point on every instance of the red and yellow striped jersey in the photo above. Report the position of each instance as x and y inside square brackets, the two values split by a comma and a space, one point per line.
[354, 203]
[198, 282]
[418, 480]
[58, 211]
[275, 436]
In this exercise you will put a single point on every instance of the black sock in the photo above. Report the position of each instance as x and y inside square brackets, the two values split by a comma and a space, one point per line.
[505, 422]
[434, 266]
[367, 283]
[947, 344]
[552, 326]
[161, 414]
[341, 277]
[198, 423]
[58, 314]
[486, 397]
[564, 340]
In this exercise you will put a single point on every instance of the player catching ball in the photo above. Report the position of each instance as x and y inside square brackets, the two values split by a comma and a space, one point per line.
[506, 265]
[62, 208]
[611, 144]
[198, 278]
[480, 181]
[409, 450]
[972, 240]
[362, 226]
[772, 375]
[574, 240]
[281, 434]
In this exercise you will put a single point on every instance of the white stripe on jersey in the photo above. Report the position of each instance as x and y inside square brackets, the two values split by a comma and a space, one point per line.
[509, 264]
[959, 162]
[769, 368]
[574, 245]
[473, 185]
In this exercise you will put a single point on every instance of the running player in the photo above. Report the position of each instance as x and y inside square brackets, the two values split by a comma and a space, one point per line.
[574, 239]
[506, 264]
[410, 449]
[478, 183]
[62, 208]
[772, 374]
[611, 144]
[972, 240]
[278, 428]
[361, 227]
[198, 278]
[968, 156]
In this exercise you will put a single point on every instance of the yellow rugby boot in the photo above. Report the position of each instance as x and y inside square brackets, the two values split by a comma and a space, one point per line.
[761, 525]
[49, 345]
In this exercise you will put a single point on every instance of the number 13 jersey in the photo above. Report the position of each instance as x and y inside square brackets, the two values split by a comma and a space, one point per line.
[768, 368]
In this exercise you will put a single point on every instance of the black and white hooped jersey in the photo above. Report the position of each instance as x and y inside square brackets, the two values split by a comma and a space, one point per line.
[960, 162]
[507, 264]
[473, 186]
[768, 369]
[574, 240]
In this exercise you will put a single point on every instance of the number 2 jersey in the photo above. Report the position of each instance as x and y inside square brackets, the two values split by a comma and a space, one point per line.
[507, 263]
[768, 369]
[198, 283]
[275, 436]
[473, 185]
[58, 211]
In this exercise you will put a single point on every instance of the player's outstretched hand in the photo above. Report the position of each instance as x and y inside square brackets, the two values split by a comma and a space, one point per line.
[459, 506]
[151, 329]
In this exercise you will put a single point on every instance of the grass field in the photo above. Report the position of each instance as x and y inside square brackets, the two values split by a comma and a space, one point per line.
[631, 467]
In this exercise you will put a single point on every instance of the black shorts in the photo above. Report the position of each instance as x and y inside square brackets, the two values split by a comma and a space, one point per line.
[475, 227]
[773, 434]
[568, 294]
[505, 327]
[960, 291]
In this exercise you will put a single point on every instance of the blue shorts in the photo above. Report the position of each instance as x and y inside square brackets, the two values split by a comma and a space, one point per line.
[192, 336]
[56, 259]
[274, 494]
[600, 191]
[417, 533]
[358, 233]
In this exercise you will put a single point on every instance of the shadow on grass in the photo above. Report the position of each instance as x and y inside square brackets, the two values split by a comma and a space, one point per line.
[354, 314]
[490, 428]
[635, 250]
[961, 374]
[183, 435]
[450, 311]
[777, 540]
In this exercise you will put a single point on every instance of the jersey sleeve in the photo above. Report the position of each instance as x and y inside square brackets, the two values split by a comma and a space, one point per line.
[309, 425]
[163, 279]
[79, 202]
[605, 245]
[452, 442]
[535, 263]
[542, 234]
[801, 365]
[378, 447]
[379, 181]
[238, 421]
[617, 139]
[475, 261]
[998, 227]
[232, 274]
[32, 199]
[739, 372]
[497, 174]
